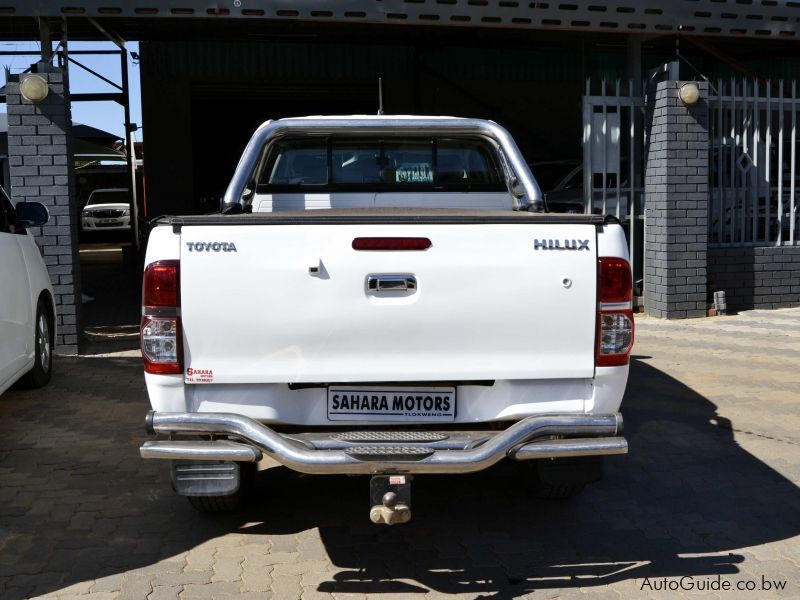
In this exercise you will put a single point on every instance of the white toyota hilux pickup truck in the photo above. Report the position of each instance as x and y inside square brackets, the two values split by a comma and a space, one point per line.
[384, 296]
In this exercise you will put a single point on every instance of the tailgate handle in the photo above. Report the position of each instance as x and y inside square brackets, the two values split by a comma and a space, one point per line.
[391, 283]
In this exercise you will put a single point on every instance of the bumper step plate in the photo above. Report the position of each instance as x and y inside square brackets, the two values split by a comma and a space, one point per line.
[389, 436]
[398, 453]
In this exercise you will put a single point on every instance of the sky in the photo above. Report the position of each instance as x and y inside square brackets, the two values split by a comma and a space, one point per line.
[108, 116]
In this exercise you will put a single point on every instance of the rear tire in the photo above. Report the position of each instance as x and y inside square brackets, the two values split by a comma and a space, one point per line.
[232, 502]
[41, 372]
[561, 478]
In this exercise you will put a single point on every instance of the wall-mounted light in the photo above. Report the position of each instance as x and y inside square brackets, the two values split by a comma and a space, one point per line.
[689, 93]
[34, 88]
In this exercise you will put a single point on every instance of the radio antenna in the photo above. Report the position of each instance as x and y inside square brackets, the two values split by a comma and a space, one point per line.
[380, 96]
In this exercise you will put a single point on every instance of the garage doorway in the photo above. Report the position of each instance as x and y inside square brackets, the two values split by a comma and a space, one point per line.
[225, 132]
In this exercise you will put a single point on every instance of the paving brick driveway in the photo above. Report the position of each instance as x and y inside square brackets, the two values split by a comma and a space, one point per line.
[709, 489]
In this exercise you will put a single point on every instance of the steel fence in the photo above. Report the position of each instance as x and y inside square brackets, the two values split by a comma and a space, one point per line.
[753, 168]
[613, 161]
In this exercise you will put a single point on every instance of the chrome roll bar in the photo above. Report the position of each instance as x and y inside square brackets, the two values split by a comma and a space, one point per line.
[385, 126]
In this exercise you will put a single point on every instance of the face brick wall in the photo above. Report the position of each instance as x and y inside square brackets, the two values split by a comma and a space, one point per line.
[676, 191]
[41, 170]
[756, 277]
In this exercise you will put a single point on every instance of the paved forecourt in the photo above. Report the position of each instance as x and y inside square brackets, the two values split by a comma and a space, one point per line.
[708, 496]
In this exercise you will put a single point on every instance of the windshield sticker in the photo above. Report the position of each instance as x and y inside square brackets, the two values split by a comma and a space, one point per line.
[414, 173]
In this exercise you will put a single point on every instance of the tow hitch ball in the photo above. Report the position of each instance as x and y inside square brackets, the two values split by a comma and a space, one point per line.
[390, 498]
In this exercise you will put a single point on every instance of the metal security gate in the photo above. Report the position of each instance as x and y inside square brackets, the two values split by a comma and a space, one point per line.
[613, 161]
[753, 164]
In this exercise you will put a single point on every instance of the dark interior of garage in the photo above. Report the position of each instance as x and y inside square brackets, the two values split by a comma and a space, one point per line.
[532, 84]
[535, 93]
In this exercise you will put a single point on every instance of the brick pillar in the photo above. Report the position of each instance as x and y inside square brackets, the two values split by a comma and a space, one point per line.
[676, 193]
[41, 170]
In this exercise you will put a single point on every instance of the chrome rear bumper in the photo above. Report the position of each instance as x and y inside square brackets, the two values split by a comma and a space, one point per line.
[539, 436]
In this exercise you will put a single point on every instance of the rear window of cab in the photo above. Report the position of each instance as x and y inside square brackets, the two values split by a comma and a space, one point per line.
[369, 165]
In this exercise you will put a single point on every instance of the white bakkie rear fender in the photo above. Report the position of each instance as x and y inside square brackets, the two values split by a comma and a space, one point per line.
[566, 410]
[385, 339]
[505, 400]
[262, 395]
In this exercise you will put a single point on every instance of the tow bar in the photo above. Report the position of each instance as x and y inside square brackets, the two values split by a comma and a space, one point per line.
[390, 496]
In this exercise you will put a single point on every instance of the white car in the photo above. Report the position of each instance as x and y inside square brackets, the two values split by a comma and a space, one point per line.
[107, 210]
[384, 296]
[27, 310]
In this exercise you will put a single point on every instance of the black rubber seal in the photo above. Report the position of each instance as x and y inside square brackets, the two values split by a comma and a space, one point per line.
[148, 422]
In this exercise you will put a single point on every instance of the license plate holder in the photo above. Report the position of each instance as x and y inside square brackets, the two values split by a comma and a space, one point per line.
[426, 404]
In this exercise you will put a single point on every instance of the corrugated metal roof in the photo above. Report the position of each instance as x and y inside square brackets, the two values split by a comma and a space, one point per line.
[746, 18]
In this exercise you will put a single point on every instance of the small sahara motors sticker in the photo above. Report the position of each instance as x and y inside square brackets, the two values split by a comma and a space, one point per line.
[199, 375]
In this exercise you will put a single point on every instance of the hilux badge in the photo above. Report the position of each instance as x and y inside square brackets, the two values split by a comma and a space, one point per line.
[211, 247]
[561, 244]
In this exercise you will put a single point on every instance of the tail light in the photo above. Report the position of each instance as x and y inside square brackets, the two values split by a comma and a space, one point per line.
[614, 312]
[161, 321]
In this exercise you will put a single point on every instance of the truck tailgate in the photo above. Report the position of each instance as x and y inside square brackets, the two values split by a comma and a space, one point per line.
[490, 303]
